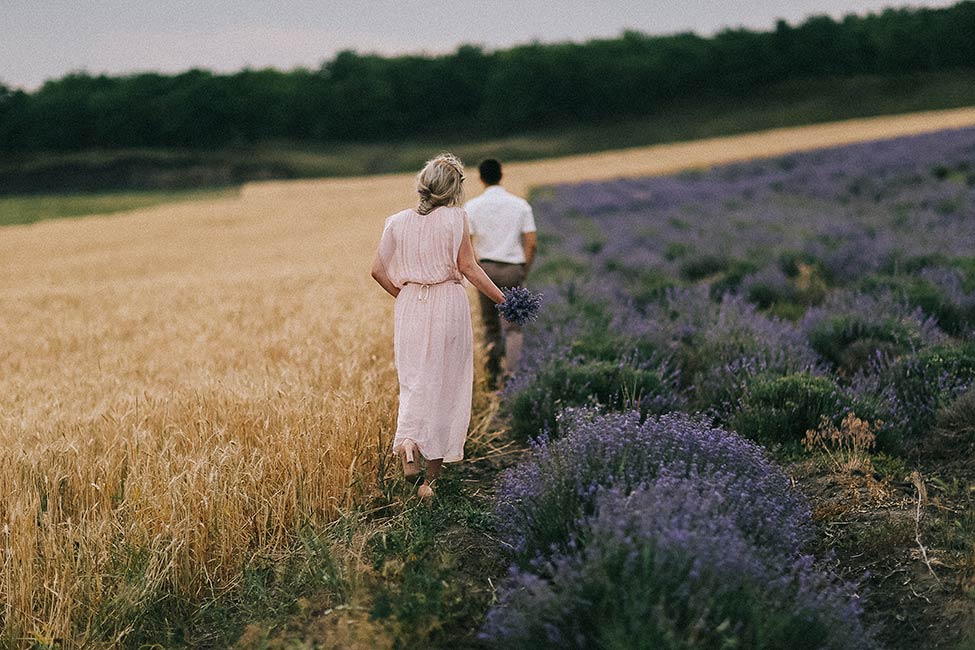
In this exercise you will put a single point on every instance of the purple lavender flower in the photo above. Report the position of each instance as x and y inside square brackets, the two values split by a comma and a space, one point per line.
[520, 305]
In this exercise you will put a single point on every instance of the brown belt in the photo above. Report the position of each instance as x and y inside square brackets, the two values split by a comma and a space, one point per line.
[425, 287]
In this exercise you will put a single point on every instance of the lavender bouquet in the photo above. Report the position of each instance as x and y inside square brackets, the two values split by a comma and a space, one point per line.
[520, 305]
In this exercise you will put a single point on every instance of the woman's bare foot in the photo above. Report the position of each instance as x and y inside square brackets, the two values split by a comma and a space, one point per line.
[425, 491]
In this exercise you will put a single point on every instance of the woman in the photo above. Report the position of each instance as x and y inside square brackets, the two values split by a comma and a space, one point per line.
[423, 255]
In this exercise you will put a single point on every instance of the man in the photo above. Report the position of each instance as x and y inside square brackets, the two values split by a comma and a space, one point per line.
[503, 233]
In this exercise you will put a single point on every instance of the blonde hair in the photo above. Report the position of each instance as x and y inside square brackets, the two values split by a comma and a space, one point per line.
[440, 182]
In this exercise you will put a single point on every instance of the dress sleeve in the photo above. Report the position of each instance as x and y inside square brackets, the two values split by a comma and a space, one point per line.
[387, 251]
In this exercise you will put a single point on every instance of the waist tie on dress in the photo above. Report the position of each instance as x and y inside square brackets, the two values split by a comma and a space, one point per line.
[425, 288]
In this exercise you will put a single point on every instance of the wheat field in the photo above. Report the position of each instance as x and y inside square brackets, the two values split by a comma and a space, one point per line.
[184, 388]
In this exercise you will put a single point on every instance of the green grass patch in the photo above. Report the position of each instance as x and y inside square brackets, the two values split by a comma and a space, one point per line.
[437, 563]
[26, 209]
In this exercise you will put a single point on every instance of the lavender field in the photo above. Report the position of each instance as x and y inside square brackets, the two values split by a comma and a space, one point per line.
[812, 311]
[852, 269]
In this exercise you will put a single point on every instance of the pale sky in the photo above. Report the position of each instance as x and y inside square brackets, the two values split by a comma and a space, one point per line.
[41, 39]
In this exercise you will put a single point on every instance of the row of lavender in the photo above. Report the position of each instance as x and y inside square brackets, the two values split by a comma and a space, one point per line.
[764, 296]
[670, 533]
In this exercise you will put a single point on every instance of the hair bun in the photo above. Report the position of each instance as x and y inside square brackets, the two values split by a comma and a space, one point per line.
[440, 182]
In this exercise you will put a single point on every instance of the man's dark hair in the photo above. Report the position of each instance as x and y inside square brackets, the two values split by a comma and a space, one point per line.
[490, 171]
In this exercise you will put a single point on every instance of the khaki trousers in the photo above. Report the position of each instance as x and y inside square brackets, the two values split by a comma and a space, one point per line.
[504, 338]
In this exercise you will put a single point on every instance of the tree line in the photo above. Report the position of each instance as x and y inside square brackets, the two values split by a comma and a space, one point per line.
[472, 91]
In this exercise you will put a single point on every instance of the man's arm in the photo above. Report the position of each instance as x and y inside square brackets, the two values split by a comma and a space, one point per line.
[528, 237]
[530, 241]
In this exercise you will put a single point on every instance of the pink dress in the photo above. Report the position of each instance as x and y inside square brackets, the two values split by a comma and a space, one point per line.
[433, 338]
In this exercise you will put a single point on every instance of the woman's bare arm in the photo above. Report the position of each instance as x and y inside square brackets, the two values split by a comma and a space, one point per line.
[467, 264]
[380, 276]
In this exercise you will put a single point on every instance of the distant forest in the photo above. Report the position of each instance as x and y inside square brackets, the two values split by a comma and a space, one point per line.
[477, 93]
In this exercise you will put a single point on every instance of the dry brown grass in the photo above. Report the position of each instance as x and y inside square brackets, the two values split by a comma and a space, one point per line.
[193, 383]
[183, 388]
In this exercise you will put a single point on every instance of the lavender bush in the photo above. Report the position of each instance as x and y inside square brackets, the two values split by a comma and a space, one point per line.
[938, 291]
[677, 563]
[850, 329]
[780, 409]
[542, 499]
[913, 389]
[723, 343]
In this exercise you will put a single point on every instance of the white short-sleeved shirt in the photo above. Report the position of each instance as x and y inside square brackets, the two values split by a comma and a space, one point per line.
[497, 220]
